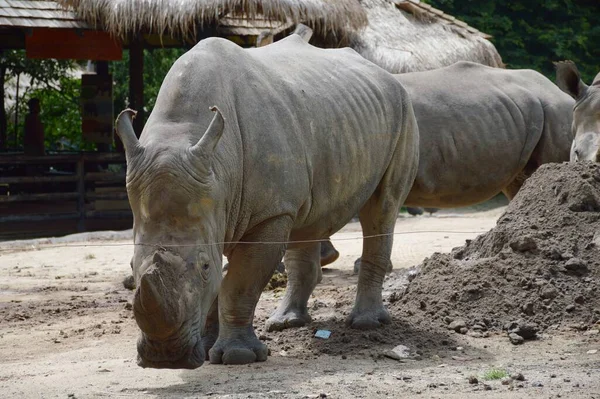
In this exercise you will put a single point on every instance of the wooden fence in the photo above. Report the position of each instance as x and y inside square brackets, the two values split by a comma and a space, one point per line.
[61, 194]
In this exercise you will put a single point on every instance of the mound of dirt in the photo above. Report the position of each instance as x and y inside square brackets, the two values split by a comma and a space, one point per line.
[539, 268]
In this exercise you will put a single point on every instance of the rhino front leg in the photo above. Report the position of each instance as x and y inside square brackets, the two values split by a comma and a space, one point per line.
[211, 329]
[303, 269]
[250, 268]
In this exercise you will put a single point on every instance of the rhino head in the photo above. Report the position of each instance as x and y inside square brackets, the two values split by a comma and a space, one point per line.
[586, 112]
[177, 268]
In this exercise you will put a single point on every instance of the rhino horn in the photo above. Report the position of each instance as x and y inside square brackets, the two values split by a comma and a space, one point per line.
[127, 134]
[203, 150]
[148, 297]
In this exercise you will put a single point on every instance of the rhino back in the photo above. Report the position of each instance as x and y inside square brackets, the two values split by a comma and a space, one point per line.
[479, 126]
[309, 132]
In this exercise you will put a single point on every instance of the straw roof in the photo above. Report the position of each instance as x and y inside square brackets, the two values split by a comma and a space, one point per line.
[408, 35]
[36, 14]
[184, 18]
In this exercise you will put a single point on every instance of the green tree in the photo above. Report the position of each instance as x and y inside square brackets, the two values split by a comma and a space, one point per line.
[46, 76]
[534, 33]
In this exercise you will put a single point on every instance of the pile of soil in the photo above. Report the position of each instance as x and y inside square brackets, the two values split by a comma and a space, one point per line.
[538, 268]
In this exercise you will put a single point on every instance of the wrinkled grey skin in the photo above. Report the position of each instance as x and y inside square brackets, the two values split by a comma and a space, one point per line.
[586, 111]
[302, 139]
[483, 130]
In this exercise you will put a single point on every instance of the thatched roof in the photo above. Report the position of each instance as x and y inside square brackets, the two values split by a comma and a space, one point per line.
[184, 18]
[36, 14]
[408, 35]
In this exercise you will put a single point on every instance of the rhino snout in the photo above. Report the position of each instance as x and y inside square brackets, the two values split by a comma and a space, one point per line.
[170, 354]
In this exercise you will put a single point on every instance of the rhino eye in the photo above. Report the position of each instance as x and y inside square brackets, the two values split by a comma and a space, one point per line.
[205, 267]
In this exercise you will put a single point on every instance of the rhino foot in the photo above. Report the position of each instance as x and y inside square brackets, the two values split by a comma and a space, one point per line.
[240, 348]
[279, 321]
[368, 319]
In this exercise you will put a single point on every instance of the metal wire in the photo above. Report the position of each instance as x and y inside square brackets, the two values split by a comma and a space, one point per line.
[238, 242]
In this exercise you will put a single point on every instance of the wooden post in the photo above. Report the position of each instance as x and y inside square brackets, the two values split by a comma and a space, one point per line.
[136, 82]
[3, 121]
[81, 194]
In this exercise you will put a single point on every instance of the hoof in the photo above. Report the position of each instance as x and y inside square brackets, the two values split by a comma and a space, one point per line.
[238, 351]
[289, 319]
[328, 253]
[368, 320]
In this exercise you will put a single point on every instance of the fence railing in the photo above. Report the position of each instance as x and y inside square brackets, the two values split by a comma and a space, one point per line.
[76, 187]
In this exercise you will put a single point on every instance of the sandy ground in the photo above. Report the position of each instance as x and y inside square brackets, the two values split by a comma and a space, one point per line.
[66, 330]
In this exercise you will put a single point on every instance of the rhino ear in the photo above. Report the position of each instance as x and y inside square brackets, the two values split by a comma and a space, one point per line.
[203, 150]
[569, 80]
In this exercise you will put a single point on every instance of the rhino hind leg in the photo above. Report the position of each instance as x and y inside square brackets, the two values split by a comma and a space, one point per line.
[304, 273]
[250, 268]
[515, 185]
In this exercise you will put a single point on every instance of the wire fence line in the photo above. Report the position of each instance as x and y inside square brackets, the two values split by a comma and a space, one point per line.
[158, 245]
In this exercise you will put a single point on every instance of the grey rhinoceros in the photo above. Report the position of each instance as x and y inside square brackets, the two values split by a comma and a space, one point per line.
[586, 111]
[483, 131]
[301, 139]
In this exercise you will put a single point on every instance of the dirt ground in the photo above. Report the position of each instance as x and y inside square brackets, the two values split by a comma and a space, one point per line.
[67, 330]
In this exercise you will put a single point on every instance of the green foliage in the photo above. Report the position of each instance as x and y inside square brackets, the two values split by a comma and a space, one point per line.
[58, 95]
[156, 65]
[534, 33]
[495, 374]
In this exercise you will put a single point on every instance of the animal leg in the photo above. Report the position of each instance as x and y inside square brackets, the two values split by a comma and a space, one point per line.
[250, 268]
[378, 219]
[211, 328]
[303, 268]
[515, 185]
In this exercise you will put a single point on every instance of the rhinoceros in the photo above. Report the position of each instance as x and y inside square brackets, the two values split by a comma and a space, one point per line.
[301, 139]
[586, 111]
[483, 131]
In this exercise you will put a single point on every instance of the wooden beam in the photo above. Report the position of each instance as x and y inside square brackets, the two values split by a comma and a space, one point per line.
[72, 44]
[136, 82]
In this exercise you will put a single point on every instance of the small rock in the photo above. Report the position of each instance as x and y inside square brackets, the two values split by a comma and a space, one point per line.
[537, 384]
[129, 283]
[522, 328]
[463, 330]
[487, 387]
[473, 380]
[528, 309]
[515, 339]
[549, 292]
[518, 377]
[523, 244]
[457, 325]
[506, 381]
[576, 266]
[592, 332]
[570, 308]
[552, 375]
[128, 306]
[322, 395]
[592, 351]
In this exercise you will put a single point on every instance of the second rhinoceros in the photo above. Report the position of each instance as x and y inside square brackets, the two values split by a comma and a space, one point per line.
[301, 139]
